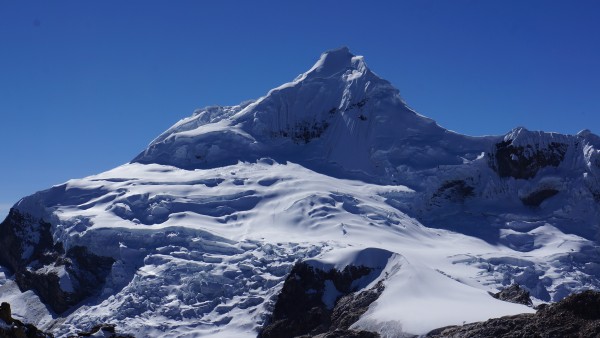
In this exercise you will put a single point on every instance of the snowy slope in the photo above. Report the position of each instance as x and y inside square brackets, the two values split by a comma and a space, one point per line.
[333, 169]
[338, 117]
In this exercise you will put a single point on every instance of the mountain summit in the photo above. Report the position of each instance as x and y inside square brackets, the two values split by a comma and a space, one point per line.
[336, 61]
[326, 205]
[338, 116]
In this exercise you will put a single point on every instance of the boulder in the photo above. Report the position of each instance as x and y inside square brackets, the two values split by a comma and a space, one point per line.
[514, 294]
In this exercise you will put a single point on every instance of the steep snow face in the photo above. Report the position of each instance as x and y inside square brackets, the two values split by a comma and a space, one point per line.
[338, 117]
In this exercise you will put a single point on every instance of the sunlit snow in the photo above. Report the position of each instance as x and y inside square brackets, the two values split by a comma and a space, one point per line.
[332, 169]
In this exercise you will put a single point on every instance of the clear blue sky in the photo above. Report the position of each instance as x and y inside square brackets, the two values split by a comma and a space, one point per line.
[86, 85]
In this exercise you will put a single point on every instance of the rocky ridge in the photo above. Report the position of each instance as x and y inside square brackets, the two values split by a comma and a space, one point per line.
[13, 328]
[575, 316]
[61, 279]
[317, 303]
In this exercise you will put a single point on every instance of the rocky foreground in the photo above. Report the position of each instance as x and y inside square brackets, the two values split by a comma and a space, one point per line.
[13, 328]
[575, 316]
[301, 312]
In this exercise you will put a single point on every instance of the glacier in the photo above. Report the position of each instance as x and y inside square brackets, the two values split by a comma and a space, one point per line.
[197, 234]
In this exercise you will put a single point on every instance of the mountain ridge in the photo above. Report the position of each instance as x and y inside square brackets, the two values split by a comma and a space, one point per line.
[297, 118]
[198, 233]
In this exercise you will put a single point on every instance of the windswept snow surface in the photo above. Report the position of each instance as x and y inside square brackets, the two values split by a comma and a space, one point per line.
[334, 169]
[205, 251]
[418, 299]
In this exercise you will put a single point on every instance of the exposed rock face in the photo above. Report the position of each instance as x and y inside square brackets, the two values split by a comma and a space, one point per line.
[345, 334]
[24, 240]
[12, 328]
[536, 198]
[514, 294]
[510, 160]
[304, 132]
[575, 316]
[61, 279]
[455, 190]
[301, 310]
[105, 330]
[350, 307]
[5, 313]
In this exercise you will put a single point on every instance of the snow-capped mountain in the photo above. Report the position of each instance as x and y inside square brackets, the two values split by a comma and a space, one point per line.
[206, 231]
[338, 117]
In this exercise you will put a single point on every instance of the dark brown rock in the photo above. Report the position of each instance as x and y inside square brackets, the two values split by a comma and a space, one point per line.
[108, 330]
[27, 246]
[347, 334]
[455, 190]
[350, 307]
[536, 198]
[300, 311]
[15, 328]
[5, 313]
[524, 162]
[514, 294]
[575, 316]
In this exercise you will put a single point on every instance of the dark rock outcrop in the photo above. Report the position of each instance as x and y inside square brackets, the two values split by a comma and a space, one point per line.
[25, 239]
[29, 251]
[514, 294]
[575, 316]
[455, 190]
[107, 331]
[345, 334]
[524, 162]
[5, 313]
[300, 310]
[13, 328]
[536, 198]
[349, 308]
